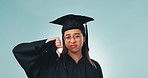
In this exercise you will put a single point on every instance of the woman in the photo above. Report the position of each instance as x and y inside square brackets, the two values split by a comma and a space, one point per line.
[41, 59]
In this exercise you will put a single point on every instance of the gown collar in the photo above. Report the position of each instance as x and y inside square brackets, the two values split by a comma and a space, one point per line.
[83, 60]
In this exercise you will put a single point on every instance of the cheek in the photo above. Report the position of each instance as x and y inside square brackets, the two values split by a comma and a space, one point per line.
[81, 43]
[83, 40]
[67, 45]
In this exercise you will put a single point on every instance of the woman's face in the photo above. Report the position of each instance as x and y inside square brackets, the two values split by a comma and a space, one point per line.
[74, 40]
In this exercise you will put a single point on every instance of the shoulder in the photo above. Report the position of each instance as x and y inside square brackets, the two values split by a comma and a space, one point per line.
[96, 64]
[98, 67]
[94, 61]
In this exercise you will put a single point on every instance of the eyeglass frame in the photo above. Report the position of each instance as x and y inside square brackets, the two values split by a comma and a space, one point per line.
[75, 37]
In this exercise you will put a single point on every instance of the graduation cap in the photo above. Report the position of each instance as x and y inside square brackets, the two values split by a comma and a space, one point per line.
[72, 21]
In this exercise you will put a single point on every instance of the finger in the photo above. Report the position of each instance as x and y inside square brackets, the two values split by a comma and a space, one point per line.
[58, 53]
[57, 39]
[59, 45]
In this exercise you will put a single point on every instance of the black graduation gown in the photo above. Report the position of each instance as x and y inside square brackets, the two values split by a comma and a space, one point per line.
[39, 60]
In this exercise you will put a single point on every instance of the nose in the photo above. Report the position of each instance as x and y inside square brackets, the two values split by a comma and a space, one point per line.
[72, 40]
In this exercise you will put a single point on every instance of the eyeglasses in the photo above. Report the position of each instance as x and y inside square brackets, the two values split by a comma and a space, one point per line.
[75, 37]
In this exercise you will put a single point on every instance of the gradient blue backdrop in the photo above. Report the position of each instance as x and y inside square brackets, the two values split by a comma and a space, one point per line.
[118, 37]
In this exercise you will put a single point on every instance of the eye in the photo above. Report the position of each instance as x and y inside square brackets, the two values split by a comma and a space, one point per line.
[77, 36]
[67, 37]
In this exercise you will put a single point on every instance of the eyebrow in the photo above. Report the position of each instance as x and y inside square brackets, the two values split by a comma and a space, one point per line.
[74, 34]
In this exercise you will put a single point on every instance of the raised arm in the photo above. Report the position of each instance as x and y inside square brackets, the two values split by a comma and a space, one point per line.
[36, 55]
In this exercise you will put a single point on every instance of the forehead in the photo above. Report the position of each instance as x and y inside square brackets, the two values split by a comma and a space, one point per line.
[72, 31]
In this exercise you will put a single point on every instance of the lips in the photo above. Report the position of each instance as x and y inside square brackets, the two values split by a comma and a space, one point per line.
[73, 46]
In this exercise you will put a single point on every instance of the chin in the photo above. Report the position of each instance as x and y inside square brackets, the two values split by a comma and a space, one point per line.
[74, 51]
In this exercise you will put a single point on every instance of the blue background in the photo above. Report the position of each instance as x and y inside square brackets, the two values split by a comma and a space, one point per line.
[118, 38]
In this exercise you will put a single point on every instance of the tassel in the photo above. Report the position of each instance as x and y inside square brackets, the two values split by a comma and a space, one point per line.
[87, 47]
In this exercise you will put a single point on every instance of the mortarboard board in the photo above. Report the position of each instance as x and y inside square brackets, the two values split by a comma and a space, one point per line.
[72, 21]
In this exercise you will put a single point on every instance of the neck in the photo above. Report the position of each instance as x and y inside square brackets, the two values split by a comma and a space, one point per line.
[75, 56]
